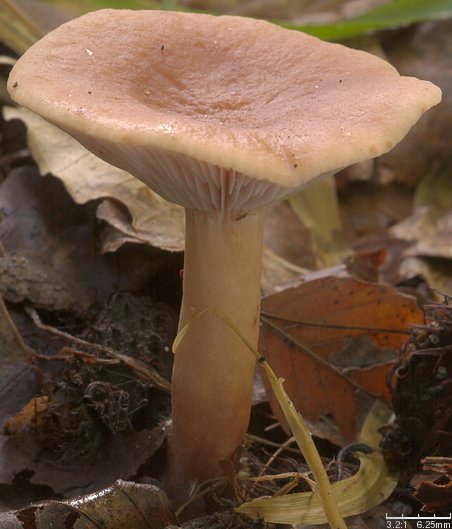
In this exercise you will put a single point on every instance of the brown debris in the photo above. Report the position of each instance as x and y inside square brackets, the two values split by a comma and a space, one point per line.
[436, 495]
[421, 393]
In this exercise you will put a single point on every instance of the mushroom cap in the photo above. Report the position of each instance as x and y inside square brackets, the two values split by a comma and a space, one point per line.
[224, 113]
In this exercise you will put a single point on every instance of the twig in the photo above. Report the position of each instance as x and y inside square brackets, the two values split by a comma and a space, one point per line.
[141, 369]
[267, 442]
[276, 454]
[201, 490]
[301, 323]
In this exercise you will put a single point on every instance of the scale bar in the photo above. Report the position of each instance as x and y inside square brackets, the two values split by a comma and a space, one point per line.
[434, 517]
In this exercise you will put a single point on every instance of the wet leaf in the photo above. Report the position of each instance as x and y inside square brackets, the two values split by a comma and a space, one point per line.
[308, 327]
[123, 504]
[144, 215]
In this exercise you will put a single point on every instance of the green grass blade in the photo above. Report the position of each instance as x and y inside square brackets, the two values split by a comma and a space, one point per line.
[394, 14]
[82, 6]
[370, 486]
[17, 30]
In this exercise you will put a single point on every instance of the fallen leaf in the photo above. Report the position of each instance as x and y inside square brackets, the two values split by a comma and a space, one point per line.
[119, 458]
[137, 214]
[429, 227]
[49, 256]
[123, 504]
[30, 419]
[432, 235]
[306, 326]
[150, 219]
[24, 279]
[277, 272]
[437, 273]
[366, 264]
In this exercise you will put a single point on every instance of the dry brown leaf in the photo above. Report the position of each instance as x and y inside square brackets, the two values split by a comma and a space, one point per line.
[136, 213]
[357, 325]
[150, 219]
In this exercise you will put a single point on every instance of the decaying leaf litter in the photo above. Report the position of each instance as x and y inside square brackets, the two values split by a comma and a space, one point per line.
[367, 235]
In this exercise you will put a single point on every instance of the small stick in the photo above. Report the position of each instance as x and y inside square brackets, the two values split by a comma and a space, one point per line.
[267, 442]
[141, 369]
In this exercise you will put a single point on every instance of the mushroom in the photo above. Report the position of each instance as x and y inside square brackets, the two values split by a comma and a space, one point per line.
[222, 115]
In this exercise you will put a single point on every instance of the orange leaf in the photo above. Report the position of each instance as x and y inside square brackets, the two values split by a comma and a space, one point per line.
[32, 417]
[333, 341]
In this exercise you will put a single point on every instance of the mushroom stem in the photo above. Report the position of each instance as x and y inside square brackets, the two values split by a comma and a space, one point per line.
[213, 370]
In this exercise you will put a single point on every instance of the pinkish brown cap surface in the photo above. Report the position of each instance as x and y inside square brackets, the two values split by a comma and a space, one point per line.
[224, 113]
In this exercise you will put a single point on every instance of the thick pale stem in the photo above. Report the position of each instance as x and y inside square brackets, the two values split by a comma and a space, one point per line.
[213, 370]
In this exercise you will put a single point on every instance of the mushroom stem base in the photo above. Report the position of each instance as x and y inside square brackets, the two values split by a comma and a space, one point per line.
[213, 370]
